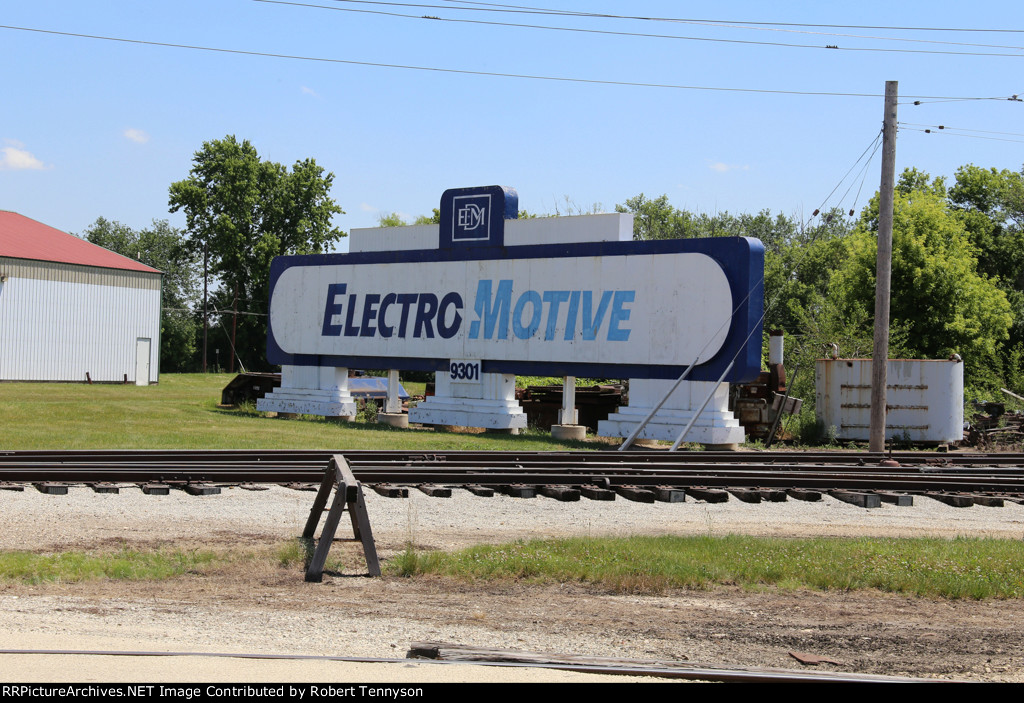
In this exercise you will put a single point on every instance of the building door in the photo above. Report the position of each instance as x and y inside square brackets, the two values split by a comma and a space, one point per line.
[142, 361]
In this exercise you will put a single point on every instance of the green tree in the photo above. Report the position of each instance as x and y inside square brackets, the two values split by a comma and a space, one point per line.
[798, 267]
[392, 219]
[433, 219]
[940, 304]
[915, 181]
[657, 218]
[990, 204]
[162, 247]
[242, 211]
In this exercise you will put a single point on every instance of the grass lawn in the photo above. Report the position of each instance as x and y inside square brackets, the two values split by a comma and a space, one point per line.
[968, 569]
[957, 568]
[182, 412]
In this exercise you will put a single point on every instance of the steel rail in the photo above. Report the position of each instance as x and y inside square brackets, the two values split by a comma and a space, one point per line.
[822, 478]
[643, 456]
[766, 458]
[232, 464]
[276, 471]
[591, 466]
[573, 469]
[684, 671]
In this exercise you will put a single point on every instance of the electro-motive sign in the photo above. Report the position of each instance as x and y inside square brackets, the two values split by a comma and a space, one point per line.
[607, 309]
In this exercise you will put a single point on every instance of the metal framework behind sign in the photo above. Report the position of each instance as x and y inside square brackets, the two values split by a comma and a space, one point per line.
[608, 309]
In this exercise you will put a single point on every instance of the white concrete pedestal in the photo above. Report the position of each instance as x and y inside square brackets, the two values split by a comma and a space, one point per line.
[393, 419]
[568, 427]
[715, 426]
[311, 390]
[392, 414]
[576, 433]
[490, 404]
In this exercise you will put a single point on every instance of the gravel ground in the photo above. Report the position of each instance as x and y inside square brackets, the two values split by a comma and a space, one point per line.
[350, 616]
[30, 520]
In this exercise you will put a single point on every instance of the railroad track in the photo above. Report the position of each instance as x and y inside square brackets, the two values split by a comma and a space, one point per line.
[646, 476]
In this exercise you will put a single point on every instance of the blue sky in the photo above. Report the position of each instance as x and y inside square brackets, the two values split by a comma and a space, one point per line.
[94, 128]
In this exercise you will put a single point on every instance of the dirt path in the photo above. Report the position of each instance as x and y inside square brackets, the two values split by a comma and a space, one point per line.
[353, 616]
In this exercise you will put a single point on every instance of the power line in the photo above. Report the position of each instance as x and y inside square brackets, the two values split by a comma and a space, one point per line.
[860, 36]
[863, 176]
[963, 129]
[741, 24]
[581, 30]
[929, 101]
[525, 76]
[216, 311]
[524, 9]
[873, 147]
[970, 136]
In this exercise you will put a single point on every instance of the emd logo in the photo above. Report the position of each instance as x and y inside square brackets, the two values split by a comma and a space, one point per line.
[475, 217]
[471, 218]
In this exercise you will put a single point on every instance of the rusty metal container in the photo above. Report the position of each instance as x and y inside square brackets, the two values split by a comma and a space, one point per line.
[924, 399]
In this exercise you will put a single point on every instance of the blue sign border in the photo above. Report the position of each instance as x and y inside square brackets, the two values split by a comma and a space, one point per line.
[741, 259]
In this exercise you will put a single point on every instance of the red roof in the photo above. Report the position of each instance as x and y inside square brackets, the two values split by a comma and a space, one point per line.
[24, 238]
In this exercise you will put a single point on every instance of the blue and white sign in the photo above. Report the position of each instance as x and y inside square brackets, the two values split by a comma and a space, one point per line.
[618, 309]
[476, 217]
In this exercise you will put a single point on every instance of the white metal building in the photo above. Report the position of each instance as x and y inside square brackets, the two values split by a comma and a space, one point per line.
[73, 311]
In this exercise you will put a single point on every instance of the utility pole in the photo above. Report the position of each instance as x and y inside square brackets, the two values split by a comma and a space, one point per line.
[206, 280]
[883, 272]
[234, 327]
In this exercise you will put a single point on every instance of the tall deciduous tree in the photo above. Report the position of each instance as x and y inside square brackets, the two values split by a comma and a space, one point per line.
[391, 219]
[658, 218]
[243, 211]
[939, 299]
[162, 247]
[990, 203]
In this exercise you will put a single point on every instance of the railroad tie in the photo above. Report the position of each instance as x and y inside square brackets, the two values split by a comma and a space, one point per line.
[708, 495]
[639, 495]
[566, 494]
[596, 493]
[861, 500]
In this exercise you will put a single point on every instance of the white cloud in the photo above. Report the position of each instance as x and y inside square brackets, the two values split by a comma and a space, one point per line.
[366, 207]
[13, 158]
[136, 135]
[310, 91]
[725, 168]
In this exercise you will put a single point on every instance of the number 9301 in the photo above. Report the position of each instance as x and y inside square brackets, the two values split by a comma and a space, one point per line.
[461, 371]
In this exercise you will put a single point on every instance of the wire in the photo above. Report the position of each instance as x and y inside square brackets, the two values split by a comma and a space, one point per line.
[220, 312]
[969, 136]
[523, 9]
[860, 36]
[649, 36]
[234, 351]
[1011, 98]
[740, 24]
[875, 143]
[962, 129]
[863, 177]
[526, 76]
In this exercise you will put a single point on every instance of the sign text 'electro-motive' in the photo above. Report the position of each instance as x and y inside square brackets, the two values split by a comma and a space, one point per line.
[569, 314]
